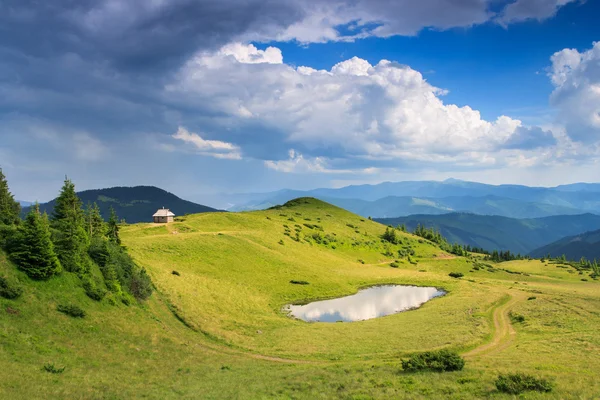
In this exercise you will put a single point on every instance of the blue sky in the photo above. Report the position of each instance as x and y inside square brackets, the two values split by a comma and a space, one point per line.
[202, 97]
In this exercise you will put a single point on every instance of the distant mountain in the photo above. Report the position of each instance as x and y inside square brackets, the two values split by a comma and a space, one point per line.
[447, 196]
[25, 203]
[573, 247]
[134, 204]
[501, 233]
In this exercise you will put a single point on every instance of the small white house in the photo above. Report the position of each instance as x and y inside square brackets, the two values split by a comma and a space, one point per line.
[163, 216]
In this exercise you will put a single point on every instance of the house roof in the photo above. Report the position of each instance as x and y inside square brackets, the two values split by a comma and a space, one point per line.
[165, 212]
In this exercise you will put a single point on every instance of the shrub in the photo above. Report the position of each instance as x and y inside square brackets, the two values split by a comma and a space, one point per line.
[518, 383]
[456, 274]
[52, 369]
[92, 289]
[439, 361]
[294, 282]
[514, 317]
[281, 242]
[361, 261]
[394, 265]
[71, 310]
[176, 273]
[9, 290]
[532, 298]
[140, 285]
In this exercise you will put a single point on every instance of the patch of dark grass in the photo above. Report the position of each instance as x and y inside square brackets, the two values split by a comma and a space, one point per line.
[516, 318]
[48, 367]
[71, 310]
[456, 275]
[532, 298]
[295, 282]
[518, 383]
[438, 361]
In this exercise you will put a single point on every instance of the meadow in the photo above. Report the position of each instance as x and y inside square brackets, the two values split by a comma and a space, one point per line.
[216, 328]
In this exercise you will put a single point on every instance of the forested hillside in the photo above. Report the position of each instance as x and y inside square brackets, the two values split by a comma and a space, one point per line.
[133, 204]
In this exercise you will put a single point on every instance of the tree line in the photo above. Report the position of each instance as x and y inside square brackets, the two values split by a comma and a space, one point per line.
[71, 240]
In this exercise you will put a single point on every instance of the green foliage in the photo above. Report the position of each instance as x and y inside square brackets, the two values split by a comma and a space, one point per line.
[176, 273]
[119, 269]
[53, 369]
[71, 310]
[518, 383]
[9, 208]
[94, 222]
[9, 290]
[394, 265]
[69, 233]
[93, 289]
[456, 274]
[439, 361]
[390, 235]
[112, 231]
[33, 250]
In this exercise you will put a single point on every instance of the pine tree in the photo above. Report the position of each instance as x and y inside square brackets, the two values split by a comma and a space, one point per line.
[112, 232]
[70, 235]
[34, 252]
[9, 208]
[94, 222]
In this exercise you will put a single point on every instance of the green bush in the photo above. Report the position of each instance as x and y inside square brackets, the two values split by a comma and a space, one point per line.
[394, 265]
[456, 274]
[439, 361]
[176, 273]
[71, 310]
[9, 290]
[93, 289]
[140, 284]
[514, 317]
[518, 383]
[294, 282]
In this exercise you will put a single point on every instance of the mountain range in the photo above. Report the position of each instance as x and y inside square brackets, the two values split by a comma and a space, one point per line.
[393, 199]
[573, 247]
[501, 233]
[133, 204]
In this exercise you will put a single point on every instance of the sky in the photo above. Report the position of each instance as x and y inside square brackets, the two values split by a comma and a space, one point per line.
[201, 97]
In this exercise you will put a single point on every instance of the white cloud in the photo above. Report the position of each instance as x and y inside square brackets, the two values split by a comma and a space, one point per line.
[576, 77]
[212, 148]
[249, 54]
[381, 113]
[88, 148]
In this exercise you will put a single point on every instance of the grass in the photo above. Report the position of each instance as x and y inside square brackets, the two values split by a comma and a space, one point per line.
[218, 331]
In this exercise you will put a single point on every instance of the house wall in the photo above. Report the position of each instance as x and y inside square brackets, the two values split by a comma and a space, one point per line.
[163, 220]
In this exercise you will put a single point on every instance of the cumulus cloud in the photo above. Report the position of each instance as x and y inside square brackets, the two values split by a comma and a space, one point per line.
[576, 77]
[383, 113]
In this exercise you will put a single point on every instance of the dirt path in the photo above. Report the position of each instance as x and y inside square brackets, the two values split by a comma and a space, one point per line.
[504, 332]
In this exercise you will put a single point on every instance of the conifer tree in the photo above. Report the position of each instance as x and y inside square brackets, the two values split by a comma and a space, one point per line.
[112, 232]
[9, 208]
[34, 252]
[94, 222]
[68, 224]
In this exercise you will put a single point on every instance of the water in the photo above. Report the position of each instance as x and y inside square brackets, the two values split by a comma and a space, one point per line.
[374, 302]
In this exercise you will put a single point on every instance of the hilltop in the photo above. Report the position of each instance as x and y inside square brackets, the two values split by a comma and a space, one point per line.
[133, 204]
[215, 325]
[500, 233]
[573, 247]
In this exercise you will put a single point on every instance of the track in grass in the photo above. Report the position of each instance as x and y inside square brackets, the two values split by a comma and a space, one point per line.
[504, 332]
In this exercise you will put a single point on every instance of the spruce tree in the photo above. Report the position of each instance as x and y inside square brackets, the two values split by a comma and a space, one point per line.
[9, 208]
[112, 232]
[68, 224]
[95, 225]
[34, 252]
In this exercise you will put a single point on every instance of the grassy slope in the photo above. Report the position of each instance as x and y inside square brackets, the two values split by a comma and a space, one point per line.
[234, 284]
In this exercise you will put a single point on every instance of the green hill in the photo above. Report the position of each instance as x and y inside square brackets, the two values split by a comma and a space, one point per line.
[133, 204]
[573, 247]
[500, 233]
[216, 329]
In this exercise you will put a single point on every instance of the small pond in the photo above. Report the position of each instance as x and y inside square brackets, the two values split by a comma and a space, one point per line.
[373, 302]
